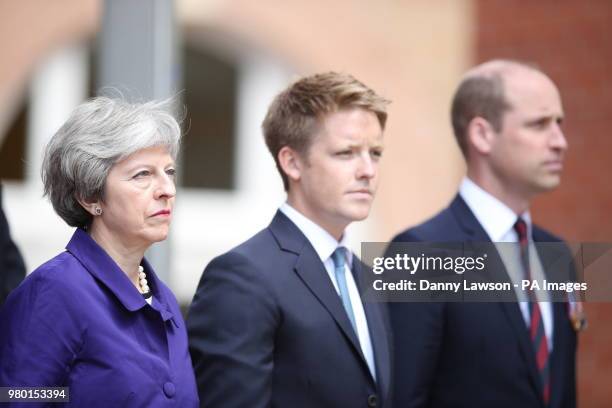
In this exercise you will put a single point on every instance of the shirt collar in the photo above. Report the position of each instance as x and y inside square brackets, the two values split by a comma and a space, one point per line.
[99, 264]
[496, 218]
[322, 241]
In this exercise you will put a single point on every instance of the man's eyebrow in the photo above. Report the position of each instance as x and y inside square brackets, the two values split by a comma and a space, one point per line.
[545, 118]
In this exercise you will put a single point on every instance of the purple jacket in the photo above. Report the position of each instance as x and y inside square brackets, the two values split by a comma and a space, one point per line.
[77, 321]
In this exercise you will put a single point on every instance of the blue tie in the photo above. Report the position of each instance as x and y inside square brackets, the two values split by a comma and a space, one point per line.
[339, 258]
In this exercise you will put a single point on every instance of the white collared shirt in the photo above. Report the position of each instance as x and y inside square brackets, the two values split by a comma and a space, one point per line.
[498, 220]
[325, 245]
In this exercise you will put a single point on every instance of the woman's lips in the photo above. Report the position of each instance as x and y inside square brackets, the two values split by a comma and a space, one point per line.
[162, 213]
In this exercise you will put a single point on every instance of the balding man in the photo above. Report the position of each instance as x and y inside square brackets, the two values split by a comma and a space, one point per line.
[507, 119]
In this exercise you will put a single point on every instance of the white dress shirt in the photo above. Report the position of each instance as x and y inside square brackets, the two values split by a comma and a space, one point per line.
[498, 221]
[325, 245]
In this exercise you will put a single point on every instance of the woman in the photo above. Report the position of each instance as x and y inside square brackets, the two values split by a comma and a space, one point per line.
[96, 318]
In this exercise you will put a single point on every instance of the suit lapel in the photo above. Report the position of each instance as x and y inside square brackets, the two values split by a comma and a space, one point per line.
[513, 313]
[475, 232]
[312, 272]
[558, 369]
[310, 269]
[467, 220]
[378, 334]
[555, 257]
[549, 257]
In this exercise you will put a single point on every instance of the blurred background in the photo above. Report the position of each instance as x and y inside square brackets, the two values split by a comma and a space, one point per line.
[226, 59]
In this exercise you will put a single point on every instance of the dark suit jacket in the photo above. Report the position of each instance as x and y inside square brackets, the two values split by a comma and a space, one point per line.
[12, 269]
[267, 329]
[474, 354]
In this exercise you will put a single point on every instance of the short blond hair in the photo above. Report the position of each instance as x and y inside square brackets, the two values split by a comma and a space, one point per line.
[294, 115]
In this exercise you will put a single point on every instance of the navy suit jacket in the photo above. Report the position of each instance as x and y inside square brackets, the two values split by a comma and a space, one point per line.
[12, 269]
[474, 354]
[267, 329]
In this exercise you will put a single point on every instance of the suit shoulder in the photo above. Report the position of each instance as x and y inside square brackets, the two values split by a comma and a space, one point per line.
[251, 249]
[257, 256]
[433, 229]
[245, 271]
[51, 290]
[63, 272]
[262, 242]
[542, 235]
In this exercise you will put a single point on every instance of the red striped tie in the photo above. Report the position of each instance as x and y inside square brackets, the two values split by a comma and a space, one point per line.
[536, 327]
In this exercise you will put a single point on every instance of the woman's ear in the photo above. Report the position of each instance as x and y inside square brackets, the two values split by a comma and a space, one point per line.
[92, 207]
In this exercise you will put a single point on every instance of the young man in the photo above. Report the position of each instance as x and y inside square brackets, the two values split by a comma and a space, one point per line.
[278, 321]
[507, 120]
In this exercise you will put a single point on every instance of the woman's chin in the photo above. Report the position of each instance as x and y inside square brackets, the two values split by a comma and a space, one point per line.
[160, 234]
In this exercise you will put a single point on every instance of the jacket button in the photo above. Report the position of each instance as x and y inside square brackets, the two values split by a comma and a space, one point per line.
[169, 389]
[372, 401]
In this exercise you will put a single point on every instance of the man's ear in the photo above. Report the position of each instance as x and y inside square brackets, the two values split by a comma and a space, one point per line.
[92, 207]
[481, 135]
[291, 162]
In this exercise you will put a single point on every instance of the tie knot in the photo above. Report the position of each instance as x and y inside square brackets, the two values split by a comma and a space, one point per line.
[339, 257]
[520, 226]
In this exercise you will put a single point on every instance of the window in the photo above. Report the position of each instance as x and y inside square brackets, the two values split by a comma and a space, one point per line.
[13, 148]
[208, 149]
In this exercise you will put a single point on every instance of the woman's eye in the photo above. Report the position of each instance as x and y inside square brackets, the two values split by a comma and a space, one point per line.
[141, 174]
[171, 172]
[344, 153]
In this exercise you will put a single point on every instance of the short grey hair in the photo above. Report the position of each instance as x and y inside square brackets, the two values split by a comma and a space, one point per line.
[98, 134]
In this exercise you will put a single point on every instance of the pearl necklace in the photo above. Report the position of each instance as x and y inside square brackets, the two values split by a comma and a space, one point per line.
[142, 282]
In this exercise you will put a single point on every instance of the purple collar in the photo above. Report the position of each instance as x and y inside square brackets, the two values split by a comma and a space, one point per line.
[104, 269]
